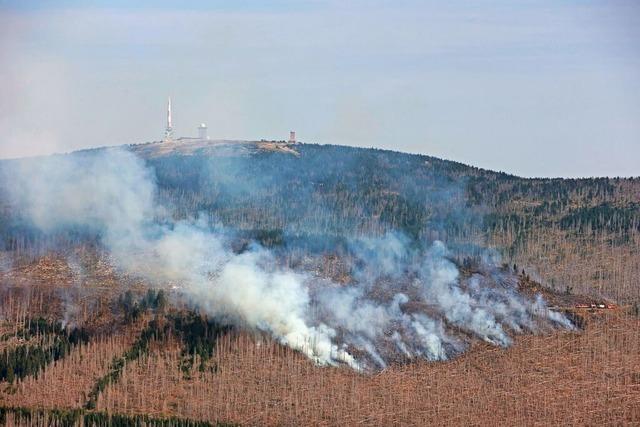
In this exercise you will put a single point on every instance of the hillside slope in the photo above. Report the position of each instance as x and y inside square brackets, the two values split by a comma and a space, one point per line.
[578, 235]
[107, 296]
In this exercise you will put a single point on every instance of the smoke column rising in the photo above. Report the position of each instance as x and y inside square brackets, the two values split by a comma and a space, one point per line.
[403, 304]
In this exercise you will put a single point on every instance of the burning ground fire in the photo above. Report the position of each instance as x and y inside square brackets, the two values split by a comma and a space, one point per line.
[402, 302]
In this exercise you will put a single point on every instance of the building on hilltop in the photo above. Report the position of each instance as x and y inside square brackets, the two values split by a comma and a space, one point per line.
[168, 131]
[202, 132]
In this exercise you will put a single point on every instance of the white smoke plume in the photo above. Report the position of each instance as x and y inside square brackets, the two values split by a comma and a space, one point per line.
[403, 303]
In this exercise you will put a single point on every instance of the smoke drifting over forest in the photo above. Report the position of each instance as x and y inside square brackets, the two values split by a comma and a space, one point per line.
[403, 302]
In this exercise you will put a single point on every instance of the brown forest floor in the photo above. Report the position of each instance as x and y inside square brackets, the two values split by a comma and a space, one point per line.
[67, 382]
[584, 378]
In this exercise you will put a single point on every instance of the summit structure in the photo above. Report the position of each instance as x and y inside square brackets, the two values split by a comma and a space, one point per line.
[168, 132]
[202, 132]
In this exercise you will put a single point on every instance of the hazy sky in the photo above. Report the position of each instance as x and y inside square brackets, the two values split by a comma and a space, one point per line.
[535, 88]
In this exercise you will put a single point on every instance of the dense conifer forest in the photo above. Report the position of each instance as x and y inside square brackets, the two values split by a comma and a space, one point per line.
[579, 234]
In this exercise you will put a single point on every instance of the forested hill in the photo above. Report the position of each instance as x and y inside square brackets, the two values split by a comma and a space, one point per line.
[581, 235]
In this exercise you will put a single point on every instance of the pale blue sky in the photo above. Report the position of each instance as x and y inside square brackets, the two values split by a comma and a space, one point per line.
[535, 88]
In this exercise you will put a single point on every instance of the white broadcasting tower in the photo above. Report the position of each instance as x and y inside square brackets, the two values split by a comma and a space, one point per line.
[168, 132]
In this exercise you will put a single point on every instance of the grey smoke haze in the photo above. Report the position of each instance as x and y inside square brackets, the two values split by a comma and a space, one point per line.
[542, 88]
[402, 301]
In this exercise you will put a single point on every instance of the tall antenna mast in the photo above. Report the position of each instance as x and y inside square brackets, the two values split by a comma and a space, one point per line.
[168, 132]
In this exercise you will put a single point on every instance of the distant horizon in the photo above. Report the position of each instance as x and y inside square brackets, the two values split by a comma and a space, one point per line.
[535, 89]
